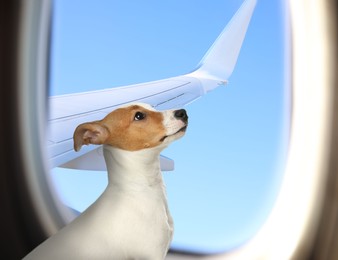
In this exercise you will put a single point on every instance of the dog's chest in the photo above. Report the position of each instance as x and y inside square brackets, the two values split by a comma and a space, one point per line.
[117, 226]
[144, 210]
[139, 222]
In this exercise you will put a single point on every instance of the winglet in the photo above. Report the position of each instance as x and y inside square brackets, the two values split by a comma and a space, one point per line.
[220, 60]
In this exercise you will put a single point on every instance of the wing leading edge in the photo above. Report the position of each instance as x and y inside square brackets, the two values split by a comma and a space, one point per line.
[68, 111]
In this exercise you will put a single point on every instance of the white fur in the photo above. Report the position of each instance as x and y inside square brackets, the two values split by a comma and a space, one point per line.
[130, 220]
[170, 123]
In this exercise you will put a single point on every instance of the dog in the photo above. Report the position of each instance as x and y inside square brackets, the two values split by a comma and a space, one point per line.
[131, 219]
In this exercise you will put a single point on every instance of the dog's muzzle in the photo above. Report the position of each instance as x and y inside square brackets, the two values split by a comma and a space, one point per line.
[181, 114]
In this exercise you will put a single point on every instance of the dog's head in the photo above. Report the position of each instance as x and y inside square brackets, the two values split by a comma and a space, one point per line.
[132, 128]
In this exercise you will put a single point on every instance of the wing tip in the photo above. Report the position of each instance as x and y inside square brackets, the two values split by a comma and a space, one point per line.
[221, 58]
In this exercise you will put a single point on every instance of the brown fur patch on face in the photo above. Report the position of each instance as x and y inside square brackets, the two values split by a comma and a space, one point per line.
[128, 133]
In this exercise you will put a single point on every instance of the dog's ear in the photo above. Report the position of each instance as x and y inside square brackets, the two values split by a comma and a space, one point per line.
[90, 133]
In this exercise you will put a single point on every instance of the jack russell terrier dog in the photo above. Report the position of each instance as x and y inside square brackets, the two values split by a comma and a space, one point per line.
[131, 219]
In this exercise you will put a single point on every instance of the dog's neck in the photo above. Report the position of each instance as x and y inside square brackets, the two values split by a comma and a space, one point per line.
[133, 169]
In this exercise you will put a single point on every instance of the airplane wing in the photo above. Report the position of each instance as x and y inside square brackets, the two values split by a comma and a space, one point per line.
[68, 111]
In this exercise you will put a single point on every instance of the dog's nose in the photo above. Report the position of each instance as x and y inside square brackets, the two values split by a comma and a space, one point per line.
[181, 114]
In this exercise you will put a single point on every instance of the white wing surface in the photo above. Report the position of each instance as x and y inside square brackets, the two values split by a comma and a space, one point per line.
[68, 111]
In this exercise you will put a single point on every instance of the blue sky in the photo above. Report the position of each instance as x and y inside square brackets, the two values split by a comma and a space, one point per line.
[228, 166]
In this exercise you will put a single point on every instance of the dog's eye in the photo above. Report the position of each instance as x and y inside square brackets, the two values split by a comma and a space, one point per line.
[139, 116]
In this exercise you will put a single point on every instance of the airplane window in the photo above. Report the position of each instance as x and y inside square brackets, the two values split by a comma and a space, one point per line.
[228, 166]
